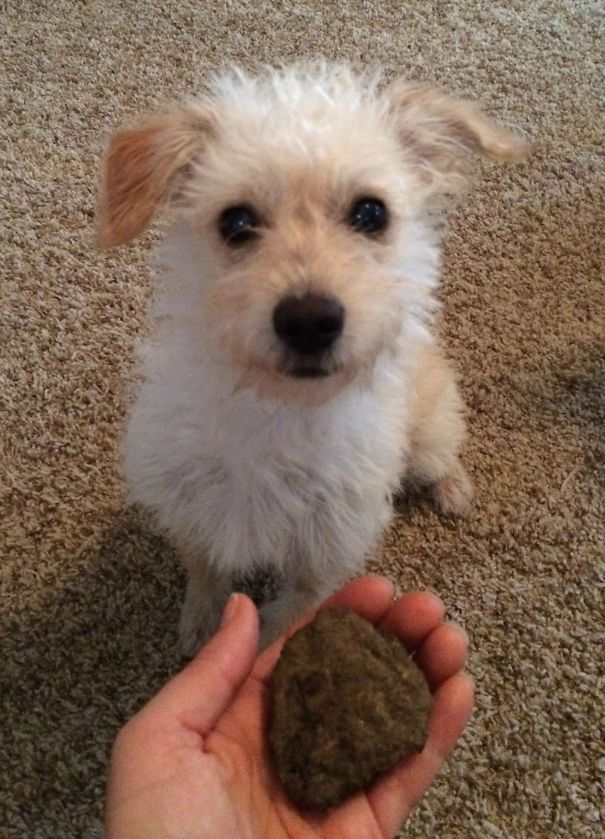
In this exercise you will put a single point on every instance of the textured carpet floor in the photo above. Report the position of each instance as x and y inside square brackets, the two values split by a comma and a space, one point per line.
[90, 596]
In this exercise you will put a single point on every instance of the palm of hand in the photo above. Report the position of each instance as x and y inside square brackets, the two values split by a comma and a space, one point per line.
[193, 763]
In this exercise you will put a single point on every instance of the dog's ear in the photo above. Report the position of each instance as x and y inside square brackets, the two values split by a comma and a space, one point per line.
[140, 167]
[439, 131]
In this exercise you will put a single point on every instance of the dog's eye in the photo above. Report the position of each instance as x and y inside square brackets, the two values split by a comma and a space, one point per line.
[238, 224]
[368, 215]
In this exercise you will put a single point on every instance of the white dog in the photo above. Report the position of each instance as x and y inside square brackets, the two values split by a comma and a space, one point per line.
[292, 379]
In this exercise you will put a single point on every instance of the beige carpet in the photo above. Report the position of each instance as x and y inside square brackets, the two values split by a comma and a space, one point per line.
[90, 597]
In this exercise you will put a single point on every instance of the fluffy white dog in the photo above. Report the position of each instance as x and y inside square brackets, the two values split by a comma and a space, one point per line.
[292, 379]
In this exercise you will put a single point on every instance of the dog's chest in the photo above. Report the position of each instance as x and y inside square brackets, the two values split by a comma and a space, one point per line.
[259, 484]
[255, 482]
[289, 459]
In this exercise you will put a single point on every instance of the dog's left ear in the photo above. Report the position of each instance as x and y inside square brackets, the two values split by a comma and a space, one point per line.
[439, 131]
[141, 165]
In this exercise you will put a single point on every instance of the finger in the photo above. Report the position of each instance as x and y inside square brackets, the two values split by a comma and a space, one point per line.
[443, 653]
[369, 596]
[199, 694]
[394, 796]
[413, 617]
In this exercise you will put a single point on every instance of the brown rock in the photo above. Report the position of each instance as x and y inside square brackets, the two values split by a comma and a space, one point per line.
[348, 704]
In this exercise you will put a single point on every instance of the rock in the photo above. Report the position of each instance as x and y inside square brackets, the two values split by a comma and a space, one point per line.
[348, 704]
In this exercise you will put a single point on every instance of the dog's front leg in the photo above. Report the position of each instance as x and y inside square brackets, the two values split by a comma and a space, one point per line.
[295, 599]
[436, 436]
[205, 599]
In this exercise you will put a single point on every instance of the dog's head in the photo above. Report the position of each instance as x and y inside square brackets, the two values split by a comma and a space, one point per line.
[300, 192]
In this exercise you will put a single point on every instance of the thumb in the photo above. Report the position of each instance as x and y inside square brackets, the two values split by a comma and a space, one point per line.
[201, 693]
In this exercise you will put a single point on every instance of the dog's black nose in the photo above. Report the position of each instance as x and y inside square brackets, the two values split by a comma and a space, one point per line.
[309, 324]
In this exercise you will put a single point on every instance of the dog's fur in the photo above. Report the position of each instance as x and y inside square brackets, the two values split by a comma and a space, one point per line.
[244, 464]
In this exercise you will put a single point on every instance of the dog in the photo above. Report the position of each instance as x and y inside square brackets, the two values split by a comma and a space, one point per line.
[292, 381]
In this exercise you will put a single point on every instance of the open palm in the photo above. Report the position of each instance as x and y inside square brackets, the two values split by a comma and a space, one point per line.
[193, 763]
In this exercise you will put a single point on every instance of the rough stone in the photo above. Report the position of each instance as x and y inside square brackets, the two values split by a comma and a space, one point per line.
[348, 704]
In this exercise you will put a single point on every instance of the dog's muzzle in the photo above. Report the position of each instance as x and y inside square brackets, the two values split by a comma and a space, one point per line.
[308, 327]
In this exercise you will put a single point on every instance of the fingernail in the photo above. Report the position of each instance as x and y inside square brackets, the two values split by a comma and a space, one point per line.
[231, 608]
[461, 630]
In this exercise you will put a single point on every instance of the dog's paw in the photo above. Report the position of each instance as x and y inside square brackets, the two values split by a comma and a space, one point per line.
[453, 494]
[272, 624]
[278, 615]
[196, 628]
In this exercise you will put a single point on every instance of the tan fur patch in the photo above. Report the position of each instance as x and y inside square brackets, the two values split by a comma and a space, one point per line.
[139, 166]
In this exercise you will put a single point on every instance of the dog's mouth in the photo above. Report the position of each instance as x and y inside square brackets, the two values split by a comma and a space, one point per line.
[318, 365]
[309, 366]
[308, 372]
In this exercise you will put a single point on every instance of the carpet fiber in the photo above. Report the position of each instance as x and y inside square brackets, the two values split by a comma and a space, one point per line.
[90, 595]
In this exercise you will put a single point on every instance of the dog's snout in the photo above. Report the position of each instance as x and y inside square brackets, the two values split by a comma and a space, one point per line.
[309, 324]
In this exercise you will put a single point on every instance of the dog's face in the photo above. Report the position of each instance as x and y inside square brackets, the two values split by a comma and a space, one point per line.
[302, 218]
[300, 192]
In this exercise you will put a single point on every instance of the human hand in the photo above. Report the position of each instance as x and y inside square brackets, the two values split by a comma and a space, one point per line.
[194, 762]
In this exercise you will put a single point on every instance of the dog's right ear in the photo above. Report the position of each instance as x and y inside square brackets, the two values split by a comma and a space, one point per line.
[140, 167]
